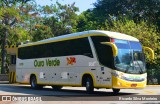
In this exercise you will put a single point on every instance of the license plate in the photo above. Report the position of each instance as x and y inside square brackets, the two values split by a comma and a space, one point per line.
[133, 85]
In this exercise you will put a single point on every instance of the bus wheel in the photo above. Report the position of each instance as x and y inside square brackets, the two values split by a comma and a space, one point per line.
[33, 82]
[56, 88]
[115, 91]
[89, 85]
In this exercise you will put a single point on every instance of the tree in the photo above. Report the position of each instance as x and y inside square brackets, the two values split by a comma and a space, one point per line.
[60, 18]
[134, 9]
[87, 21]
[41, 32]
[12, 15]
[141, 31]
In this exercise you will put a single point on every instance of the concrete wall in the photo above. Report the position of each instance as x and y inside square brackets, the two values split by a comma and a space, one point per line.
[4, 77]
[12, 68]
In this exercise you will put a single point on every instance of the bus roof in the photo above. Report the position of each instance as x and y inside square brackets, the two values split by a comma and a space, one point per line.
[110, 34]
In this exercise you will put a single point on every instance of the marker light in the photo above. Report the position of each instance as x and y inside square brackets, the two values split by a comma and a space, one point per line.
[112, 40]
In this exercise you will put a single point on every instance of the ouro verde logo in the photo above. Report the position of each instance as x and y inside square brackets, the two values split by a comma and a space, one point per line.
[47, 62]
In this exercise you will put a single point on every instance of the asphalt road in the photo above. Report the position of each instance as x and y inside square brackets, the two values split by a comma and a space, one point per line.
[78, 94]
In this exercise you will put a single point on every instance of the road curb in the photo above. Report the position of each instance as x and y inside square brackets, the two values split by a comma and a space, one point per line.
[4, 82]
[7, 82]
[152, 85]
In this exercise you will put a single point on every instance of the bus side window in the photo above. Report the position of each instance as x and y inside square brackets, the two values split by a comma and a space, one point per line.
[104, 52]
[13, 59]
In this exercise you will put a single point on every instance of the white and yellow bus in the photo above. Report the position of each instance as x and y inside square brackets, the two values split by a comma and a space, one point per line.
[91, 59]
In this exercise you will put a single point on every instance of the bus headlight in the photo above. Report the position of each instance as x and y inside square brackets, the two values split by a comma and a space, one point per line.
[119, 83]
[124, 78]
[115, 74]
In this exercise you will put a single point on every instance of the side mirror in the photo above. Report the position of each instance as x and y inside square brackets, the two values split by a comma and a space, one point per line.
[151, 52]
[114, 47]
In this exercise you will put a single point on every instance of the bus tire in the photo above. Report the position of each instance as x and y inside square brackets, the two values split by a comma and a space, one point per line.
[115, 91]
[56, 88]
[33, 83]
[89, 85]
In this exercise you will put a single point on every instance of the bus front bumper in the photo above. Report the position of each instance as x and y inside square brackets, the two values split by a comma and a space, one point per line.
[122, 84]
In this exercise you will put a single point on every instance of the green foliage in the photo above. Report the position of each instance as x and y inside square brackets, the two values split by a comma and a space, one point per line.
[12, 13]
[41, 32]
[60, 18]
[14, 16]
[136, 10]
[89, 20]
[141, 31]
[86, 21]
[17, 34]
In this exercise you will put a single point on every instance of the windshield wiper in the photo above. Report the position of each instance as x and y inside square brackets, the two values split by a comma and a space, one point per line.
[141, 70]
[127, 68]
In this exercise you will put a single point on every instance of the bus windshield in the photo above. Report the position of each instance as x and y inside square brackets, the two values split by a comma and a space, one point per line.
[130, 58]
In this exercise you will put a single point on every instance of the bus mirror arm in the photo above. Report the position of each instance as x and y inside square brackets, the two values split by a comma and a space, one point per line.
[114, 47]
[151, 52]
